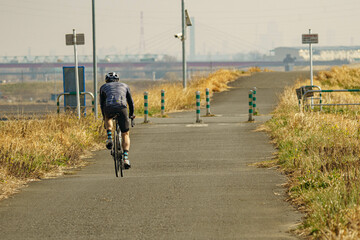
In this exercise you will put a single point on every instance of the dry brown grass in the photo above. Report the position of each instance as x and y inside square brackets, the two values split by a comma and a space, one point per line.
[344, 77]
[320, 152]
[258, 69]
[32, 148]
[178, 99]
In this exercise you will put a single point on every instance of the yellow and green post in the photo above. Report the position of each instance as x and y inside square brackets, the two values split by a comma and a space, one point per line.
[251, 106]
[162, 102]
[208, 113]
[254, 101]
[146, 107]
[198, 120]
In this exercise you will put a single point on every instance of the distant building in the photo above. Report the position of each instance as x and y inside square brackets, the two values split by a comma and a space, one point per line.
[351, 53]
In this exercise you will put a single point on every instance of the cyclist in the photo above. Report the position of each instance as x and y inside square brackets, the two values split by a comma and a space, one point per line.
[114, 99]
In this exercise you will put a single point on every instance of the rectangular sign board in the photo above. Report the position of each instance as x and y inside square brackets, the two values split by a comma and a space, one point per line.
[70, 86]
[310, 38]
[80, 39]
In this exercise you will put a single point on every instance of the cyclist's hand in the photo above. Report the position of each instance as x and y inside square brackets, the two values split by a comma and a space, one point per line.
[132, 120]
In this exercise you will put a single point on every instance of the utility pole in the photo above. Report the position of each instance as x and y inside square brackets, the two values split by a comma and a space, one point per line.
[94, 61]
[186, 22]
[183, 42]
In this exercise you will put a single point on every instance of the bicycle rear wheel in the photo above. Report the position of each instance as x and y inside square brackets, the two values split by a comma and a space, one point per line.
[120, 152]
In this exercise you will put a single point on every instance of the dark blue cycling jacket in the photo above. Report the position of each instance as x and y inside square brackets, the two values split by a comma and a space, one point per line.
[116, 94]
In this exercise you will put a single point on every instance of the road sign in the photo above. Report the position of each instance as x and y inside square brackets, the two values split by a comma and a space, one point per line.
[310, 38]
[80, 39]
[70, 86]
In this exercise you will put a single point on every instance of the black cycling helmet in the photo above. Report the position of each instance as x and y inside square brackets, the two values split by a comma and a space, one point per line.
[112, 77]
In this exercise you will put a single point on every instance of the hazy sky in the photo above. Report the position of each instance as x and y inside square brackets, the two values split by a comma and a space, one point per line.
[38, 27]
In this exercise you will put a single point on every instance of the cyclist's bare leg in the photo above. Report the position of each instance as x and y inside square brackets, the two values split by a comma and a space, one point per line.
[126, 140]
[108, 123]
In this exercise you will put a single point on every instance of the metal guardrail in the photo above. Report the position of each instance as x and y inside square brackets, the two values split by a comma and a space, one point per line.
[311, 92]
[74, 93]
[300, 92]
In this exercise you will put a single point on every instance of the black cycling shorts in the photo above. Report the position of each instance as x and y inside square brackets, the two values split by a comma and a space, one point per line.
[122, 112]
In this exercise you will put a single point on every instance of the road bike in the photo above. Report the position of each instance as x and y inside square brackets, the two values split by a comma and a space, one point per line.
[117, 151]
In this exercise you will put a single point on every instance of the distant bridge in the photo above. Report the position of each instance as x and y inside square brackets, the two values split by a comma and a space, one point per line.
[130, 66]
[132, 61]
[137, 65]
[82, 58]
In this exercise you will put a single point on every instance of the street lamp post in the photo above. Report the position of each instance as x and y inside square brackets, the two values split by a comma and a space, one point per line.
[183, 42]
[94, 61]
[186, 22]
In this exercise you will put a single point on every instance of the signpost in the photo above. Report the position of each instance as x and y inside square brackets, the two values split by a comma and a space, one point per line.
[310, 39]
[76, 39]
[80, 39]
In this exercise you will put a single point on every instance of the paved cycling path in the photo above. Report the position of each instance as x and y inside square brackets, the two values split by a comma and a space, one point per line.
[188, 181]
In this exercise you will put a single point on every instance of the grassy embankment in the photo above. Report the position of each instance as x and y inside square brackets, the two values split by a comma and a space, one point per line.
[320, 152]
[36, 148]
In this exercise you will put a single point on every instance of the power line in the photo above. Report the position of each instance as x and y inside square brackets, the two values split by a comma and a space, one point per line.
[142, 40]
[216, 33]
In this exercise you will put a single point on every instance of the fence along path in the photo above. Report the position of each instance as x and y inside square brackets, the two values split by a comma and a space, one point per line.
[306, 94]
